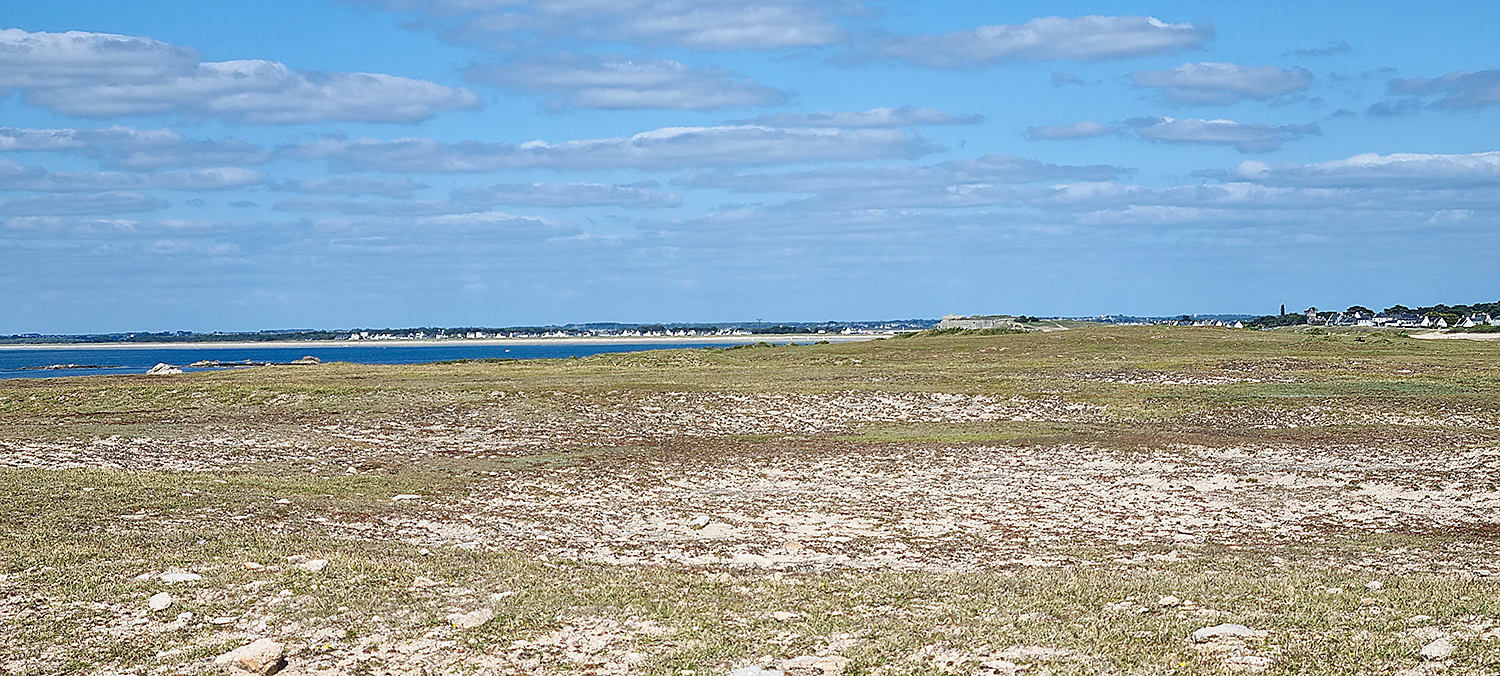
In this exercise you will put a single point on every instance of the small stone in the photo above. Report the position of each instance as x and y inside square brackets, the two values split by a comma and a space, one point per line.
[164, 370]
[1369, 601]
[1168, 601]
[1002, 667]
[813, 665]
[313, 565]
[700, 522]
[407, 496]
[1207, 634]
[160, 601]
[471, 620]
[1374, 585]
[1440, 649]
[1418, 619]
[423, 582]
[501, 596]
[221, 621]
[783, 616]
[251, 565]
[262, 658]
[172, 578]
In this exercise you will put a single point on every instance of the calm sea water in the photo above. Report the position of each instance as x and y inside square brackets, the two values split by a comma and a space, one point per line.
[21, 362]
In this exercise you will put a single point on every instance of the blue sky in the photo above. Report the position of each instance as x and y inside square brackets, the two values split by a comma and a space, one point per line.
[229, 166]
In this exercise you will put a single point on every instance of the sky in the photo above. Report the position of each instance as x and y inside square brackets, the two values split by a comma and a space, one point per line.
[208, 166]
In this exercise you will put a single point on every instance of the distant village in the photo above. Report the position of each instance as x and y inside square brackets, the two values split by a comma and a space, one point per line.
[1403, 320]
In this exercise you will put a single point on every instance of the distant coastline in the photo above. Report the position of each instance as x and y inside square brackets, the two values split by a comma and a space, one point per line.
[415, 342]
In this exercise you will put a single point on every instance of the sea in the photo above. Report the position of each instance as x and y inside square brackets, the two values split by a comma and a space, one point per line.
[59, 361]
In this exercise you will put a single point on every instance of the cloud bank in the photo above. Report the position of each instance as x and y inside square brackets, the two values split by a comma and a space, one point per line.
[1053, 38]
[104, 75]
[668, 148]
[1218, 84]
[904, 116]
[614, 82]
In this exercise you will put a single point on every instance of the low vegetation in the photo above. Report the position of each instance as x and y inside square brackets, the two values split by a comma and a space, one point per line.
[1067, 502]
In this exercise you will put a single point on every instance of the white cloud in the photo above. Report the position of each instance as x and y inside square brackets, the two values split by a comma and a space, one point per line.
[1087, 38]
[905, 116]
[1063, 132]
[706, 25]
[14, 176]
[77, 58]
[389, 187]
[942, 177]
[614, 82]
[1246, 137]
[374, 208]
[1223, 83]
[130, 148]
[667, 148]
[564, 195]
[1371, 170]
[503, 225]
[67, 205]
[103, 75]
[1460, 90]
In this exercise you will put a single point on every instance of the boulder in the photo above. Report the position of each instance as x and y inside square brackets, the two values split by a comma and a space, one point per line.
[313, 565]
[163, 369]
[160, 601]
[1440, 649]
[471, 620]
[261, 658]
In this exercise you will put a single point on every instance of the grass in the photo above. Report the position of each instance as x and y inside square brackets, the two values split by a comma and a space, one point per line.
[115, 477]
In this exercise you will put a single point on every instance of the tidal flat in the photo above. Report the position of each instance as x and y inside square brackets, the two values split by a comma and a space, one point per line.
[1087, 501]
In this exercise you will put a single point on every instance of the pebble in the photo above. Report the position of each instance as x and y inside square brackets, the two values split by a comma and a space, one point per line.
[1168, 601]
[783, 616]
[171, 578]
[501, 596]
[813, 665]
[754, 671]
[1440, 649]
[160, 601]
[1418, 619]
[1002, 666]
[224, 620]
[1207, 634]
[1374, 585]
[262, 658]
[313, 565]
[423, 582]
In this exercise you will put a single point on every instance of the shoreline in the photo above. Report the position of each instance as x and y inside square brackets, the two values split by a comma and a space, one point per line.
[428, 342]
